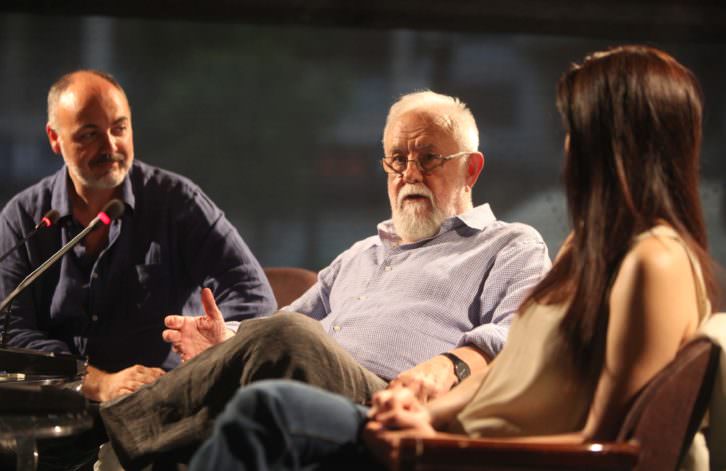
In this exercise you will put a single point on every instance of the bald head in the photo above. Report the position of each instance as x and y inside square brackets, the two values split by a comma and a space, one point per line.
[84, 76]
[89, 124]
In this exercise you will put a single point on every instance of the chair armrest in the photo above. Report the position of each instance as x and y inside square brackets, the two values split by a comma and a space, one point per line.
[423, 454]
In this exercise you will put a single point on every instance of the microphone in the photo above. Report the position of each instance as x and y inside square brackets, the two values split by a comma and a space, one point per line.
[48, 219]
[113, 210]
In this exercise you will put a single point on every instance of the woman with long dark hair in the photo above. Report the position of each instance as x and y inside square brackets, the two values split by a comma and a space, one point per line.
[630, 286]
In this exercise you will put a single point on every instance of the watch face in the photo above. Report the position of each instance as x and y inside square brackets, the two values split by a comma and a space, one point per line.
[462, 371]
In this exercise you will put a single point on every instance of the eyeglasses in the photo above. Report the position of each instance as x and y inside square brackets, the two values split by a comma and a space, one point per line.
[426, 164]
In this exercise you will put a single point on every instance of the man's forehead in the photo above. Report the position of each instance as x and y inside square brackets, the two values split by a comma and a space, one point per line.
[83, 97]
[427, 131]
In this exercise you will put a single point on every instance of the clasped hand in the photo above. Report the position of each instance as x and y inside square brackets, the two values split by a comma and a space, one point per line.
[395, 413]
[427, 380]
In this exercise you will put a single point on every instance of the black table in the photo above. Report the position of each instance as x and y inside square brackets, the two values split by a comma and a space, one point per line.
[40, 408]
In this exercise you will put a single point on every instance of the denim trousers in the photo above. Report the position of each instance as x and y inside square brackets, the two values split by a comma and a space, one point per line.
[286, 425]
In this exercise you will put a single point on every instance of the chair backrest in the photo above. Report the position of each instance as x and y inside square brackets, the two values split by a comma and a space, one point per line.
[289, 283]
[668, 411]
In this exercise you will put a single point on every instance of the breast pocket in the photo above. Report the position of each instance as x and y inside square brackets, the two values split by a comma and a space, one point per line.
[148, 294]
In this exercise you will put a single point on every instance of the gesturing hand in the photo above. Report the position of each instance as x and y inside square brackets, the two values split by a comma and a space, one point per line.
[190, 336]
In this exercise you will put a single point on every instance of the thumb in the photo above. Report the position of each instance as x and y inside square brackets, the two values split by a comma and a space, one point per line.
[210, 306]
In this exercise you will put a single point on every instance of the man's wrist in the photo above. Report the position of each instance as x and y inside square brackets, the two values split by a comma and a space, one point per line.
[91, 386]
[461, 369]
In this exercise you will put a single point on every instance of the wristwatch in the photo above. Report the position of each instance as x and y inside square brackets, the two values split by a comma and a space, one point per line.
[461, 369]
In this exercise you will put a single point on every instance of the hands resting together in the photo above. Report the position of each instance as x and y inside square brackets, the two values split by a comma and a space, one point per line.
[396, 413]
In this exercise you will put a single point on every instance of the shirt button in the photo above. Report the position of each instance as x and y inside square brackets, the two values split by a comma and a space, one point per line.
[336, 328]
[362, 298]
[94, 318]
[388, 268]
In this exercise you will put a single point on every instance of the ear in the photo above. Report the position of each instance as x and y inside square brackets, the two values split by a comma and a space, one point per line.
[53, 139]
[474, 166]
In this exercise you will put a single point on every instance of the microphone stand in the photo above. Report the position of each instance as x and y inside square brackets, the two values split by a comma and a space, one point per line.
[48, 220]
[43, 361]
[39, 271]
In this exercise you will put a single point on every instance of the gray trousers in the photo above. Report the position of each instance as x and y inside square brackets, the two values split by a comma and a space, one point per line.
[174, 415]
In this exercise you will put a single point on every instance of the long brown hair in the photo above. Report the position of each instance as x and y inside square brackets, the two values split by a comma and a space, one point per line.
[633, 121]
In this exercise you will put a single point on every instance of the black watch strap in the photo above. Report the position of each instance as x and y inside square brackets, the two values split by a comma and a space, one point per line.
[461, 369]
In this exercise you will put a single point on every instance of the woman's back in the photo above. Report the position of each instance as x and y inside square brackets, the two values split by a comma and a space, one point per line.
[532, 387]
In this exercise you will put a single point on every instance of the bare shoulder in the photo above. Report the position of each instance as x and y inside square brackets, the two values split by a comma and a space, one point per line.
[656, 282]
[653, 311]
[656, 257]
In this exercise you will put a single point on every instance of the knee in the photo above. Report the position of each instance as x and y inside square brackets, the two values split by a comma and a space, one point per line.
[264, 398]
[288, 329]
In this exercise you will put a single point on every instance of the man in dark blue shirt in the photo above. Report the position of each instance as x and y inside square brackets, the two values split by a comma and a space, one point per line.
[107, 298]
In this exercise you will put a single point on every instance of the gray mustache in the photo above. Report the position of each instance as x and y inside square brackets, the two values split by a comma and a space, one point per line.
[417, 190]
[106, 158]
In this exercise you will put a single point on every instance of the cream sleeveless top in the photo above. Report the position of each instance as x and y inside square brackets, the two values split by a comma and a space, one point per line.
[531, 389]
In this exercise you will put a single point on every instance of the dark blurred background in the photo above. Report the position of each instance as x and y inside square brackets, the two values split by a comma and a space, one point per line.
[276, 108]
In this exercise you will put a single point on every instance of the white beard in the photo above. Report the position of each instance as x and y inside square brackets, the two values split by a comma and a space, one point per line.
[416, 219]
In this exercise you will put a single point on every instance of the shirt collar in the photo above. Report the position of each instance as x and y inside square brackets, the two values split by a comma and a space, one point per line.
[61, 199]
[476, 218]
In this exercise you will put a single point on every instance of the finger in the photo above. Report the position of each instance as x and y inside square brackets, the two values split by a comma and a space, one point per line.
[158, 373]
[395, 383]
[143, 374]
[210, 306]
[389, 399]
[155, 373]
[173, 321]
[410, 389]
[373, 426]
[417, 390]
[118, 392]
[131, 386]
[397, 419]
[171, 336]
[150, 375]
[382, 395]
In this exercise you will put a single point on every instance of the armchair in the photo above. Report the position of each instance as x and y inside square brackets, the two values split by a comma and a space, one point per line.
[654, 436]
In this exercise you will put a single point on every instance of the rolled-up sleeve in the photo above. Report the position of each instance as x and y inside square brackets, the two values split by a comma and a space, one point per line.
[515, 272]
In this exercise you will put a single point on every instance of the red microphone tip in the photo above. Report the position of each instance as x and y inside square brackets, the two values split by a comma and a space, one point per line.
[113, 210]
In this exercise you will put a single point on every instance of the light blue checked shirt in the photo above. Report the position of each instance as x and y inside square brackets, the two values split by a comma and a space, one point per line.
[394, 306]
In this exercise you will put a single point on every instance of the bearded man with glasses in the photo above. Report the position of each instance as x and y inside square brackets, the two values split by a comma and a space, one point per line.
[422, 304]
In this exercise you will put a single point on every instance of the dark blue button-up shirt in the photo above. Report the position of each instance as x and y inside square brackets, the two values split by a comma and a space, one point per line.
[170, 241]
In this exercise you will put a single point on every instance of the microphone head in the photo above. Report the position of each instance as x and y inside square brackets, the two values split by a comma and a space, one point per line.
[113, 210]
[48, 219]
